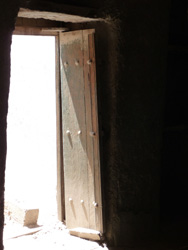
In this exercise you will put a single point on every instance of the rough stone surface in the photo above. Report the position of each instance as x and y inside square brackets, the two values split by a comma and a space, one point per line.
[22, 214]
[131, 54]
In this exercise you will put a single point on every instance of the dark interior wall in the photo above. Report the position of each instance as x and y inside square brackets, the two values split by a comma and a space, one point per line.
[131, 85]
[140, 101]
[174, 186]
[131, 66]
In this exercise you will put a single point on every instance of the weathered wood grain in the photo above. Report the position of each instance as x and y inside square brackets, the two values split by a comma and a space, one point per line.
[60, 169]
[86, 233]
[83, 200]
[92, 126]
[74, 144]
[19, 30]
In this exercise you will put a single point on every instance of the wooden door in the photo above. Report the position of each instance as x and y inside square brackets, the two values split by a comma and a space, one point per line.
[82, 181]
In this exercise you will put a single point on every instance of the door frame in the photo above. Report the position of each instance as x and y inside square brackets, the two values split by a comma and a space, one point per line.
[56, 32]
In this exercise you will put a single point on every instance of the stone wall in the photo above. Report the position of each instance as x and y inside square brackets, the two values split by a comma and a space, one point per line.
[131, 66]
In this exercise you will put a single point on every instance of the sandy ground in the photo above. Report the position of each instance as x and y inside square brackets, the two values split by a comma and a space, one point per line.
[53, 235]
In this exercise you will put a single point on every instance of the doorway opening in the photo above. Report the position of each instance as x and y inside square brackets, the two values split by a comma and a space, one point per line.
[31, 176]
[31, 166]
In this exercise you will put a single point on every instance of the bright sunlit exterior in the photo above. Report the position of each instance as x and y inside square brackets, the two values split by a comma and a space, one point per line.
[31, 151]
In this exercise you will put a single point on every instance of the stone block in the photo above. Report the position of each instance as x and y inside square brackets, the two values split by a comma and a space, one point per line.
[27, 216]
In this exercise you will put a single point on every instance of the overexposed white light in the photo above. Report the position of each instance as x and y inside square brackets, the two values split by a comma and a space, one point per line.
[31, 132]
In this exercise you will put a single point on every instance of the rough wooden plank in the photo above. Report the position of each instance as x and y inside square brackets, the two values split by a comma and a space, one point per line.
[79, 111]
[86, 233]
[90, 138]
[74, 144]
[92, 126]
[63, 17]
[60, 170]
[20, 30]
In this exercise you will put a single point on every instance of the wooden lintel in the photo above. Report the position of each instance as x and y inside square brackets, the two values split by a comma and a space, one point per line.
[25, 30]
